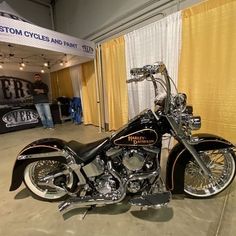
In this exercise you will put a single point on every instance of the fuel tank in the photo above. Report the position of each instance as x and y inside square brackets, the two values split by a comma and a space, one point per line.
[142, 130]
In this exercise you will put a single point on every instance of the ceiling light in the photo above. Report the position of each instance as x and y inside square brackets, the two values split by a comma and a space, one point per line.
[22, 63]
[1, 66]
[20, 67]
[61, 63]
[45, 64]
[42, 71]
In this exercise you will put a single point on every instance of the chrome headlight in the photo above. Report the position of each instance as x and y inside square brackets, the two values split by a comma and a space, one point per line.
[194, 122]
[180, 101]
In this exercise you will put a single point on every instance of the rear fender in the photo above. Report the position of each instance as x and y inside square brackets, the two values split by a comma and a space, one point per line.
[43, 149]
[179, 157]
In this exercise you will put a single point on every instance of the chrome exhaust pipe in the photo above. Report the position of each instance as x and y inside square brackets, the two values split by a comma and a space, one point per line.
[85, 201]
[142, 176]
[73, 203]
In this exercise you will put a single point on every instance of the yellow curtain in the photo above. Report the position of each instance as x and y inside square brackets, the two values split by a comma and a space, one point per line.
[89, 94]
[114, 75]
[54, 85]
[208, 65]
[61, 84]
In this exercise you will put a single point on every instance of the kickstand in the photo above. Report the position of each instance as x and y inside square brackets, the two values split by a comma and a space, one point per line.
[87, 210]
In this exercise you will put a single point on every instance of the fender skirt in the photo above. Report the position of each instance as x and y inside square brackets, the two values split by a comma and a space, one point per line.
[37, 147]
[179, 156]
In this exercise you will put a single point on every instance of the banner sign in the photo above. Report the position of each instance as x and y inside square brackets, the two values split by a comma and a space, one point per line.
[20, 117]
[34, 36]
[14, 91]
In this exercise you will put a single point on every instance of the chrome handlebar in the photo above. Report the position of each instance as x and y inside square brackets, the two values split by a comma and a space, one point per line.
[148, 71]
[185, 118]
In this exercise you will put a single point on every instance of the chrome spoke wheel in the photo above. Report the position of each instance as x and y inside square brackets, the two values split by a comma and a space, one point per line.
[35, 174]
[221, 163]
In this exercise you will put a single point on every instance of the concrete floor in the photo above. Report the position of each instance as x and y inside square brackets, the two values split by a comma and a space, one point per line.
[22, 215]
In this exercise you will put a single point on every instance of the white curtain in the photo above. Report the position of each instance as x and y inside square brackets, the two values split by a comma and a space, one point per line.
[75, 72]
[159, 41]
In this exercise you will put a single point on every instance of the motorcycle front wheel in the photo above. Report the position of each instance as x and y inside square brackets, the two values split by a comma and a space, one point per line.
[47, 190]
[221, 163]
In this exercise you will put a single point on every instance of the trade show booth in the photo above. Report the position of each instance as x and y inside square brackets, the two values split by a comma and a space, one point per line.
[26, 49]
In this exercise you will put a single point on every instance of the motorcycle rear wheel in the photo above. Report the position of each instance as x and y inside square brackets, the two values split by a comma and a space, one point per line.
[40, 169]
[222, 165]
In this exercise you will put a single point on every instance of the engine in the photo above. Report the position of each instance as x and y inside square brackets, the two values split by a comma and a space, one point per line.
[138, 161]
[132, 165]
[105, 184]
[133, 160]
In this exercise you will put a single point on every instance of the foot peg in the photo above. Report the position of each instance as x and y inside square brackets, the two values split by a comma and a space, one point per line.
[152, 200]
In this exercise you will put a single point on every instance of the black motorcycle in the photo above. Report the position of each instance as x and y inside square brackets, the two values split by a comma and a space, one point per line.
[128, 162]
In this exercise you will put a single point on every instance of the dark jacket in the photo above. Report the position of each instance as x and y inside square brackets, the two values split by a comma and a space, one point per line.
[42, 97]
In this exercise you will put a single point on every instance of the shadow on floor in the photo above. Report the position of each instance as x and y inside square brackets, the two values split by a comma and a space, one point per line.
[154, 215]
[24, 193]
[113, 209]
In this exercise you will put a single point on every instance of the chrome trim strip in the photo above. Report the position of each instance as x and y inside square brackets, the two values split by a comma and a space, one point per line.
[173, 168]
[70, 159]
[41, 155]
[38, 146]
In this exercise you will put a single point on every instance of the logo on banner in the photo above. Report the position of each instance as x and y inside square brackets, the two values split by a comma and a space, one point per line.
[20, 117]
[14, 90]
[87, 49]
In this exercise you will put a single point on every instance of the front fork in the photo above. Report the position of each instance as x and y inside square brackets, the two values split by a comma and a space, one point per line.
[181, 135]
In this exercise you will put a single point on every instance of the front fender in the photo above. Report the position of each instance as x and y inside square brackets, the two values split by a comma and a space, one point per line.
[34, 152]
[179, 157]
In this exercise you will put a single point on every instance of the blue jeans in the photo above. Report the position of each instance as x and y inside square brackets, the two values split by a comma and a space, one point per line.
[44, 112]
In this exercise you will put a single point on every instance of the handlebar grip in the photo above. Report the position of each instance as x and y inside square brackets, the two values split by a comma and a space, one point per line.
[137, 71]
[129, 81]
[137, 79]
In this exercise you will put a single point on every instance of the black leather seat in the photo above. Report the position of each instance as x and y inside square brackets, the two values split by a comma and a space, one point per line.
[86, 152]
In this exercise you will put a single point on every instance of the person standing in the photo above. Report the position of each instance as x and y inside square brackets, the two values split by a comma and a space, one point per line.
[41, 101]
